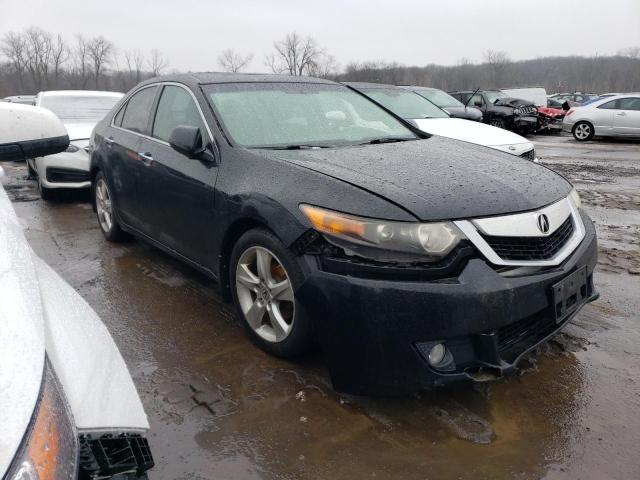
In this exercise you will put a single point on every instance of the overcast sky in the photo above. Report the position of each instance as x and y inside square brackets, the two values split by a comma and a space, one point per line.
[192, 33]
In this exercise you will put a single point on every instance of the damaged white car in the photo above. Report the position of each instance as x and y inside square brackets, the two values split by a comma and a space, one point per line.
[68, 406]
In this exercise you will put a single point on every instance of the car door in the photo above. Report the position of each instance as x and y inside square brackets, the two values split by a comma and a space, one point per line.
[122, 142]
[626, 118]
[177, 192]
[602, 117]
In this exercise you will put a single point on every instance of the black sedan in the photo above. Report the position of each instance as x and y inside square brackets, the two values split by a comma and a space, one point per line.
[413, 261]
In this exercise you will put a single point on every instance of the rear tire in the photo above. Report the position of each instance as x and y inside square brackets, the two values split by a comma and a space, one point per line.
[264, 277]
[105, 210]
[583, 131]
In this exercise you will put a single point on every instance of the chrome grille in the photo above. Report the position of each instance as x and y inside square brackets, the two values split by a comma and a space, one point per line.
[531, 248]
[526, 110]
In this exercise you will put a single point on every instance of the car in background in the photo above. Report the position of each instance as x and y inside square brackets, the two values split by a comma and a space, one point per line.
[549, 118]
[449, 104]
[413, 260]
[79, 111]
[68, 407]
[576, 97]
[23, 99]
[615, 116]
[502, 111]
[431, 119]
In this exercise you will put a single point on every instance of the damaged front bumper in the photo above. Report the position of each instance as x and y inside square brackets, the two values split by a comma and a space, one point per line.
[376, 332]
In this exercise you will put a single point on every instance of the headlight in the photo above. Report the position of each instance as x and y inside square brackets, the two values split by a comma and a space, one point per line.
[72, 148]
[431, 241]
[576, 198]
[49, 450]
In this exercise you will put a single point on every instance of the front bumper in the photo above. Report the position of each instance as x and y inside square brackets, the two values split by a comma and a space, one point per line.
[64, 170]
[370, 329]
[525, 123]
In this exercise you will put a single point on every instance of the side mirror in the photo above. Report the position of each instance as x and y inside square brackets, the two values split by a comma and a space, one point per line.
[187, 140]
[29, 132]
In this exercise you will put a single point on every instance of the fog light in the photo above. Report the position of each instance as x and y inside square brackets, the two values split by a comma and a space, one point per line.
[437, 354]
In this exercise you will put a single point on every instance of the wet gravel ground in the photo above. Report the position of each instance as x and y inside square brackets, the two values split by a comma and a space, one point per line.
[219, 408]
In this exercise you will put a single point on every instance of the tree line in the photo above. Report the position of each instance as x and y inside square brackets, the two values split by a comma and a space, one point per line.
[35, 60]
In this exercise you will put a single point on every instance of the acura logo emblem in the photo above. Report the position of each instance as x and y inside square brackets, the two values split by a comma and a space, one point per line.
[543, 223]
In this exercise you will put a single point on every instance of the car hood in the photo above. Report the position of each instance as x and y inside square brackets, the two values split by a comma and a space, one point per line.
[513, 102]
[468, 131]
[78, 131]
[41, 314]
[438, 178]
[461, 110]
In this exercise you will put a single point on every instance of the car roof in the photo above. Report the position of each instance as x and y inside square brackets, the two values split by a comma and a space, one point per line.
[203, 78]
[79, 93]
[419, 87]
[369, 85]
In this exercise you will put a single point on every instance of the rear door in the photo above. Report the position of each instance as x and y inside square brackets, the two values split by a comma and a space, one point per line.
[602, 117]
[122, 142]
[176, 192]
[626, 119]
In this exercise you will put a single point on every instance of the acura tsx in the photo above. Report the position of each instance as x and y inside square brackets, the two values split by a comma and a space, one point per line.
[412, 260]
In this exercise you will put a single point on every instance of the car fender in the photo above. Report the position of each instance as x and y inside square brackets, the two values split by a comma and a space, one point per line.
[94, 376]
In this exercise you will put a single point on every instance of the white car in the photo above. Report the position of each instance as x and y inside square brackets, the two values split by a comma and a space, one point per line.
[68, 405]
[79, 111]
[431, 119]
[612, 116]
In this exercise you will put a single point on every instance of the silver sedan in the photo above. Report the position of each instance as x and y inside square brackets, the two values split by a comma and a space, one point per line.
[614, 116]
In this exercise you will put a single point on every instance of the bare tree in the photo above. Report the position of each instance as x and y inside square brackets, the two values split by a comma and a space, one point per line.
[14, 48]
[157, 62]
[631, 52]
[231, 61]
[100, 51]
[59, 56]
[80, 63]
[39, 46]
[498, 62]
[135, 62]
[294, 55]
[325, 66]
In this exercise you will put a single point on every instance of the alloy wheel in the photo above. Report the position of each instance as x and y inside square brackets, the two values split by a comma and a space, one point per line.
[265, 294]
[104, 205]
[582, 131]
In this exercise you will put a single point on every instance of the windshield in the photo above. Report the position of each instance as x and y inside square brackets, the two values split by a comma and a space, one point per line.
[493, 96]
[79, 108]
[301, 114]
[440, 98]
[405, 104]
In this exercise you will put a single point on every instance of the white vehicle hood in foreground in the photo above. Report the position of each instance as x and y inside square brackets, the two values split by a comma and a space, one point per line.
[468, 131]
[78, 131]
[40, 312]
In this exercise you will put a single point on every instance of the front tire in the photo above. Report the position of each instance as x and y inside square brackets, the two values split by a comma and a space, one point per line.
[105, 210]
[583, 131]
[264, 276]
[498, 122]
[47, 194]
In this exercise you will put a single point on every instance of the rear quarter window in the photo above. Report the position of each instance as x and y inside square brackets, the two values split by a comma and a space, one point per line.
[138, 110]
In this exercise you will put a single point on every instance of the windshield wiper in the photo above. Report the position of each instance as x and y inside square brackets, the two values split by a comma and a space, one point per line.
[291, 147]
[376, 141]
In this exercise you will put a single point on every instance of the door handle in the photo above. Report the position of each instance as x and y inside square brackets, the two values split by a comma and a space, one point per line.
[622, 114]
[146, 158]
[109, 141]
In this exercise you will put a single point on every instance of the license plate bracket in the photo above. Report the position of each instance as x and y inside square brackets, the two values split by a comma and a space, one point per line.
[570, 293]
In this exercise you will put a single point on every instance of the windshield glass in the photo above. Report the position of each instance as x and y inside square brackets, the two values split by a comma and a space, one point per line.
[288, 114]
[493, 96]
[405, 104]
[440, 98]
[79, 108]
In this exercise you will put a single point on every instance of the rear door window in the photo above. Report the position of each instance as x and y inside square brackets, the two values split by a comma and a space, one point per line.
[176, 107]
[609, 105]
[138, 110]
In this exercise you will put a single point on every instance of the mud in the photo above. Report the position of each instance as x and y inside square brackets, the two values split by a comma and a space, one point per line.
[220, 408]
